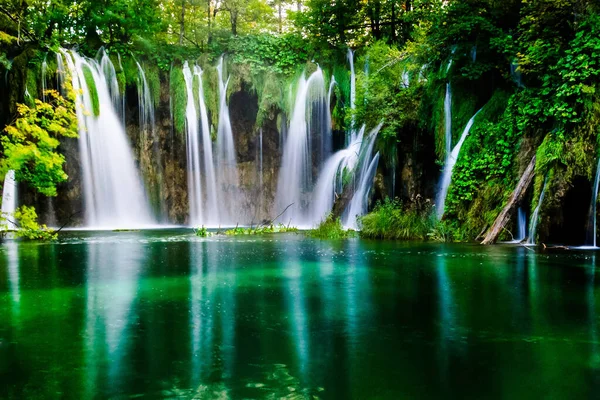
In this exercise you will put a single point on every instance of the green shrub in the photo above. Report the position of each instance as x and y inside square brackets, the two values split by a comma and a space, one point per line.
[202, 232]
[261, 230]
[391, 220]
[331, 228]
[29, 229]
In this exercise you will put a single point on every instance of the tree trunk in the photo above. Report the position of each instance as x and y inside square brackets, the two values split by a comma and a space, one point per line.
[182, 22]
[209, 39]
[233, 16]
[280, 10]
[516, 196]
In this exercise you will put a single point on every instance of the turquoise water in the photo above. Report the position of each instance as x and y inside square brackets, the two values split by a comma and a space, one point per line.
[164, 314]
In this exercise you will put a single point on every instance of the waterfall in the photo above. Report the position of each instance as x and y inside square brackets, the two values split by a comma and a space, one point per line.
[192, 152]
[592, 232]
[353, 161]
[448, 119]
[9, 199]
[516, 74]
[521, 225]
[405, 78]
[227, 173]
[212, 194]
[110, 74]
[352, 80]
[535, 216]
[113, 192]
[44, 85]
[296, 172]
[449, 167]
[474, 53]
[145, 104]
[360, 200]
[331, 179]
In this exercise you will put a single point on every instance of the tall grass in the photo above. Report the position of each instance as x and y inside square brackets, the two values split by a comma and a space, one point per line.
[331, 228]
[391, 220]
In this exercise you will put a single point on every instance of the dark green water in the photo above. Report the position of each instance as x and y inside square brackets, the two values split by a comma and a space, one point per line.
[168, 315]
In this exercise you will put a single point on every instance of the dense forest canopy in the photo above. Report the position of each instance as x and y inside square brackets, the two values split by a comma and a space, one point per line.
[530, 67]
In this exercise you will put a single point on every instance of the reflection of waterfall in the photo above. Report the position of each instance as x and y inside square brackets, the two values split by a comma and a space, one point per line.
[113, 271]
[212, 311]
[449, 167]
[9, 200]
[447, 316]
[113, 192]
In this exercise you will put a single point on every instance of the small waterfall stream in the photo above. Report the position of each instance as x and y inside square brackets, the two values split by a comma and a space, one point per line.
[592, 233]
[535, 216]
[113, 191]
[448, 120]
[9, 199]
[449, 167]
[227, 173]
[212, 195]
[521, 225]
[192, 152]
[360, 201]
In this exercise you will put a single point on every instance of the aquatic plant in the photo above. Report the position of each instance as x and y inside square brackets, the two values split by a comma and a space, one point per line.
[392, 220]
[202, 232]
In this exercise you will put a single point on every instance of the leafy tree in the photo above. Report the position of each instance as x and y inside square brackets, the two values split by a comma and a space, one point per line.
[30, 143]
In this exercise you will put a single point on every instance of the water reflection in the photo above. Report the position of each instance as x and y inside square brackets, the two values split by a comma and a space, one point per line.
[177, 317]
[113, 271]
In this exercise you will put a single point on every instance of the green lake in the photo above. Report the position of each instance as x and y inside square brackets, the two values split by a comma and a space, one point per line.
[164, 314]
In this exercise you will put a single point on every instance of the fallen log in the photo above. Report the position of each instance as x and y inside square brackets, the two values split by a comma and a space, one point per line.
[516, 196]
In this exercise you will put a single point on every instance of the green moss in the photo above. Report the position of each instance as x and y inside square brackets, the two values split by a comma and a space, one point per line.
[153, 78]
[270, 98]
[210, 84]
[122, 82]
[178, 98]
[91, 85]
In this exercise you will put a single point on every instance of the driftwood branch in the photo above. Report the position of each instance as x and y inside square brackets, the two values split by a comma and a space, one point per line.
[514, 199]
[275, 219]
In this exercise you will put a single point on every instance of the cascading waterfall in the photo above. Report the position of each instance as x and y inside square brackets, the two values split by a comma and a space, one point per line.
[331, 179]
[203, 194]
[352, 84]
[193, 152]
[521, 225]
[44, 84]
[360, 201]
[9, 199]
[110, 75]
[592, 232]
[535, 216]
[449, 167]
[113, 191]
[227, 173]
[212, 194]
[448, 119]
[295, 174]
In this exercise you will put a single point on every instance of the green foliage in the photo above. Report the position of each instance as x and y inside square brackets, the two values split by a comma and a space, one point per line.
[202, 232]
[29, 229]
[91, 86]
[261, 230]
[30, 143]
[331, 228]
[391, 220]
